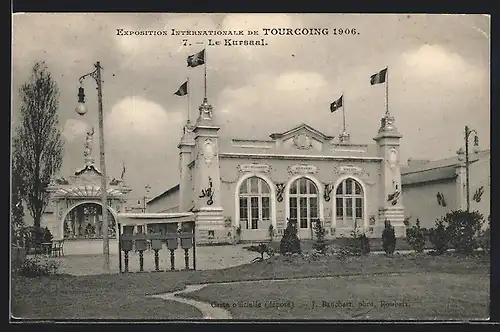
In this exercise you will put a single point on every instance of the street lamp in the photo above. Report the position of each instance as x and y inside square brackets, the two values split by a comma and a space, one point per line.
[81, 109]
[468, 131]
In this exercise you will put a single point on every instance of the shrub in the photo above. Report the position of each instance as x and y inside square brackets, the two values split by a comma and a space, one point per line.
[364, 244]
[388, 238]
[262, 249]
[358, 244]
[343, 253]
[271, 232]
[33, 268]
[438, 237]
[320, 244]
[462, 229]
[290, 242]
[47, 235]
[485, 238]
[415, 236]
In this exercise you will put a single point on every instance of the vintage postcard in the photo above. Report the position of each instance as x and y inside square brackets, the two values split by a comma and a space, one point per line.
[253, 166]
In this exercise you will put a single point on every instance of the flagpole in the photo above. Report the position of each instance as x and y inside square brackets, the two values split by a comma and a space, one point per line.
[205, 72]
[343, 111]
[188, 101]
[387, 91]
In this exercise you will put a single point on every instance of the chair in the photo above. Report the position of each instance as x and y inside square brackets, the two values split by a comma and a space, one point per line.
[58, 248]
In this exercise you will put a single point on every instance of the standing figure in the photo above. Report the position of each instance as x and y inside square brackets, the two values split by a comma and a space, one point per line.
[88, 144]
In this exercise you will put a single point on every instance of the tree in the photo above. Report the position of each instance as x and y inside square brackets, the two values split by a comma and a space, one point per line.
[290, 242]
[415, 236]
[16, 205]
[37, 143]
[320, 243]
[463, 228]
[439, 237]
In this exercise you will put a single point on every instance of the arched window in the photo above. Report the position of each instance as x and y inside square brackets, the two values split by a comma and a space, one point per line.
[349, 203]
[255, 203]
[304, 202]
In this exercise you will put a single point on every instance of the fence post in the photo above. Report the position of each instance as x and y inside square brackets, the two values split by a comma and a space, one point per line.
[172, 259]
[186, 258]
[194, 246]
[126, 260]
[141, 260]
[120, 247]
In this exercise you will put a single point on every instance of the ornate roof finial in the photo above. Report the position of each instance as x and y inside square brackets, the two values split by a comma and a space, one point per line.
[344, 137]
[89, 159]
[387, 123]
[205, 110]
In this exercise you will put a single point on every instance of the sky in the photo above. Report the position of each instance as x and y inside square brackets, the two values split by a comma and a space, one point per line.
[439, 81]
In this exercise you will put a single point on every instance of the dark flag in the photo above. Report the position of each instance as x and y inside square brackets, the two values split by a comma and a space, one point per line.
[196, 59]
[183, 90]
[123, 171]
[337, 104]
[378, 77]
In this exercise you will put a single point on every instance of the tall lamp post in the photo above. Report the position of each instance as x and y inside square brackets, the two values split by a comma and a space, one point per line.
[468, 131]
[81, 109]
[148, 188]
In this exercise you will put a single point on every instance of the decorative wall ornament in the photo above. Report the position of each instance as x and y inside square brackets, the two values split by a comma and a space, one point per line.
[478, 194]
[208, 192]
[328, 190]
[60, 213]
[440, 199]
[372, 220]
[351, 170]
[302, 141]
[394, 197]
[395, 185]
[392, 157]
[302, 169]
[254, 167]
[280, 188]
[208, 151]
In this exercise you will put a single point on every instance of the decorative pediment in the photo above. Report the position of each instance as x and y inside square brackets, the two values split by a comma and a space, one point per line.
[302, 129]
[303, 137]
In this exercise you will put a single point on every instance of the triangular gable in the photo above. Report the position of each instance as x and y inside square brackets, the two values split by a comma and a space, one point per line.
[303, 128]
[302, 137]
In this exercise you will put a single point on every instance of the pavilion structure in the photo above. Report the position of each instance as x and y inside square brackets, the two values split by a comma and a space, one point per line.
[77, 202]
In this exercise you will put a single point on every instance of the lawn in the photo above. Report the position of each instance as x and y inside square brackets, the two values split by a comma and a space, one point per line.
[124, 296]
[399, 297]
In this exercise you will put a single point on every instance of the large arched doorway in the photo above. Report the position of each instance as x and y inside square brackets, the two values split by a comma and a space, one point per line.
[84, 221]
[304, 205]
[350, 204]
[254, 198]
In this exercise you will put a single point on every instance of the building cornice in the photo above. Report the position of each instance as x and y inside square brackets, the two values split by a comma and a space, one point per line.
[293, 157]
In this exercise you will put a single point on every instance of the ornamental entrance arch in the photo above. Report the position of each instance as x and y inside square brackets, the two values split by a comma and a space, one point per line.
[76, 201]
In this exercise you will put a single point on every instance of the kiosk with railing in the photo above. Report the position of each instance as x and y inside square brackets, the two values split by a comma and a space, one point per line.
[156, 231]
